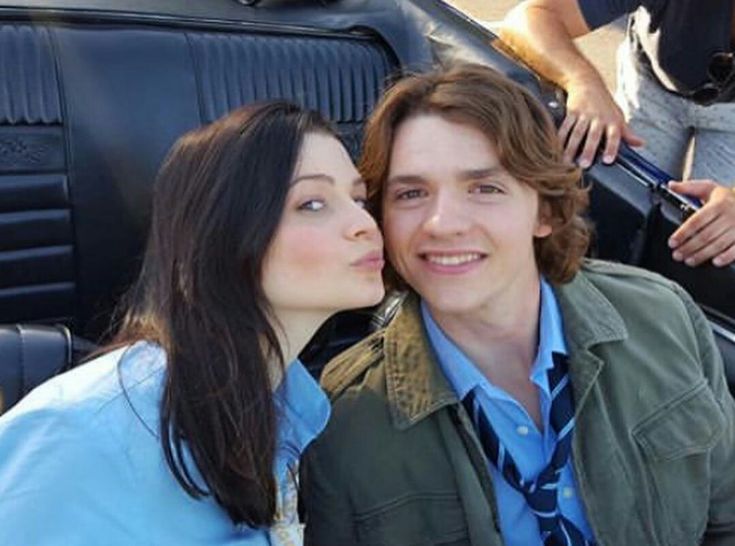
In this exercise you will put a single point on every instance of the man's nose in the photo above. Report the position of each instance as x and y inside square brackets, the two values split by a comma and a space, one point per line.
[446, 216]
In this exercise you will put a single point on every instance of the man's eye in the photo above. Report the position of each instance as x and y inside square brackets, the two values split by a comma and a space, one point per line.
[312, 205]
[486, 188]
[410, 194]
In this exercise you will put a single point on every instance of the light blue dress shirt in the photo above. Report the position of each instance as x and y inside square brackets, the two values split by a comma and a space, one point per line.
[530, 448]
[80, 462]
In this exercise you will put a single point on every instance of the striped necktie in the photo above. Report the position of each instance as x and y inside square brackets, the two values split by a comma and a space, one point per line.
[541, 494]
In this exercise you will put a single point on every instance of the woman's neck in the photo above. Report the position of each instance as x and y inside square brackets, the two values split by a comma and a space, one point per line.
[294, 330]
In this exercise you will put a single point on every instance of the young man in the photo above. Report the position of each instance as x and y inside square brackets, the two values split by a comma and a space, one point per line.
[521, 396]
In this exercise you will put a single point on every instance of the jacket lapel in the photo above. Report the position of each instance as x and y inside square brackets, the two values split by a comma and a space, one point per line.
[416, 385]
[417, 388]
[589, 319]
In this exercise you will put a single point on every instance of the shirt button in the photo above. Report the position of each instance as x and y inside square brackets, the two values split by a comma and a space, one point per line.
[567, 492]
[522, 430]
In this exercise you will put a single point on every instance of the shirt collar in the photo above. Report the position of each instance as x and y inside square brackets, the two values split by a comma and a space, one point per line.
[459, 370]
[464, 376]
[303, 410]
[417, 387]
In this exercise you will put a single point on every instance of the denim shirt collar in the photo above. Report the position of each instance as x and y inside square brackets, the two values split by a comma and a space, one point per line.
[302, 406]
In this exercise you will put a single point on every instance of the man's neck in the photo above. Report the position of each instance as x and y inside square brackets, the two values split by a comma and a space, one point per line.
[503, 342]
[504, 337]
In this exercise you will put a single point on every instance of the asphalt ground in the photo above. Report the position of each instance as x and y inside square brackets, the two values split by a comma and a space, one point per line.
[599, 46]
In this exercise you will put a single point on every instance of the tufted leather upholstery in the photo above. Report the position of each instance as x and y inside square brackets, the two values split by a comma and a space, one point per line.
[86, 116]
[28, 356]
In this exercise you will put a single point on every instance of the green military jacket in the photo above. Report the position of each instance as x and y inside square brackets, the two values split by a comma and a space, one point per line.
[399, 463]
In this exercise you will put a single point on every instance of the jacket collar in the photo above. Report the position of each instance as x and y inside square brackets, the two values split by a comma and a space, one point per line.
[415, 383]
[416, 386]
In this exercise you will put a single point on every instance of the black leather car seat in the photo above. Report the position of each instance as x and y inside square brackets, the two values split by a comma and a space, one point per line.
[30, 354]
[87, 113]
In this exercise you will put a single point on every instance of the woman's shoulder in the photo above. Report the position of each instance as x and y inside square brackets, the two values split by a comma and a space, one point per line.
[93, 385]
[99, 392]
[73, 452]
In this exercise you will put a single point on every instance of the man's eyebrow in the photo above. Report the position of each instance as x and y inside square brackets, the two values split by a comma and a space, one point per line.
[406, 179]
[478, 174]
[468, 174]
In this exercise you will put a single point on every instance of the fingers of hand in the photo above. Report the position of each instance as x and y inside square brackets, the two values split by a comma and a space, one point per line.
[612, 143]
[716, 238]
[580, 131]
[725, 258]
[594, 136]
[566, 126]
[689, 229]
[575, 138]
[701, 189]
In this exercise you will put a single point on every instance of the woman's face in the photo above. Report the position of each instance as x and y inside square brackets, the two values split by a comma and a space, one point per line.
[327, 253]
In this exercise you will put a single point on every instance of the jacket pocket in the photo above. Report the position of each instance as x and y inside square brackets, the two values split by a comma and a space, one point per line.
[676, 441]
[415, 519]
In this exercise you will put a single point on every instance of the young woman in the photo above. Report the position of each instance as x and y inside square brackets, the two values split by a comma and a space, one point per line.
[188, 430]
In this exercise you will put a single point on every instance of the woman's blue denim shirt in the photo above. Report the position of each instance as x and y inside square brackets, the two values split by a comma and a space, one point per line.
[81, 462]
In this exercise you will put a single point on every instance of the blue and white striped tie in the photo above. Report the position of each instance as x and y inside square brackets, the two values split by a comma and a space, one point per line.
[541, 494]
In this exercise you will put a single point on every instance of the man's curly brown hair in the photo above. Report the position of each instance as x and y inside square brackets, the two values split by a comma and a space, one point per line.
[523, 135]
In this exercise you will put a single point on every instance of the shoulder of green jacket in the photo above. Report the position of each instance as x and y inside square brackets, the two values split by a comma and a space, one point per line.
[598, 271]
[345, 368]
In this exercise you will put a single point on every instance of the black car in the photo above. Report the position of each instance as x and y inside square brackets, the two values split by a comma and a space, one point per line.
[93, 93]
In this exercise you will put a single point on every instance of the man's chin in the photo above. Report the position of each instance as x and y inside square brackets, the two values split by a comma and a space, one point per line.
[451, 303]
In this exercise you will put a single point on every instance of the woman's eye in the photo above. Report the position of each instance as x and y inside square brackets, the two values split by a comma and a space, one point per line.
[312, 205]
[409, 194]
[362, 202]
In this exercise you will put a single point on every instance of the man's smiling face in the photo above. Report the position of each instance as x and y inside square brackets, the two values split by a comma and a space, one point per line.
[459, 229]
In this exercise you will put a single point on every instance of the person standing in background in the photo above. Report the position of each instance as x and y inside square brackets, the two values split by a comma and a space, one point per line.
[676, 89]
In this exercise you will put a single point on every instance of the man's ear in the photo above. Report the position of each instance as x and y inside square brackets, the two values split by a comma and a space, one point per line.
[543, 226]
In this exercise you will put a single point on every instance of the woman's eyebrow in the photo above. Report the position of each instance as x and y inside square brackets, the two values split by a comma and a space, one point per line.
[321, 177]
[315, 176]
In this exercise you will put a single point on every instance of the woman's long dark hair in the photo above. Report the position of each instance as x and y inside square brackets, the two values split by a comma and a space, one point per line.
[217, 203]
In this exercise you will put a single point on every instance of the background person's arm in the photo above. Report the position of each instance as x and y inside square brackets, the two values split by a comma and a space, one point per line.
[541, 32]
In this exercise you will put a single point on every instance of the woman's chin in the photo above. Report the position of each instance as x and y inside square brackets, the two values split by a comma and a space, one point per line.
[374, 297]
[364, 300]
